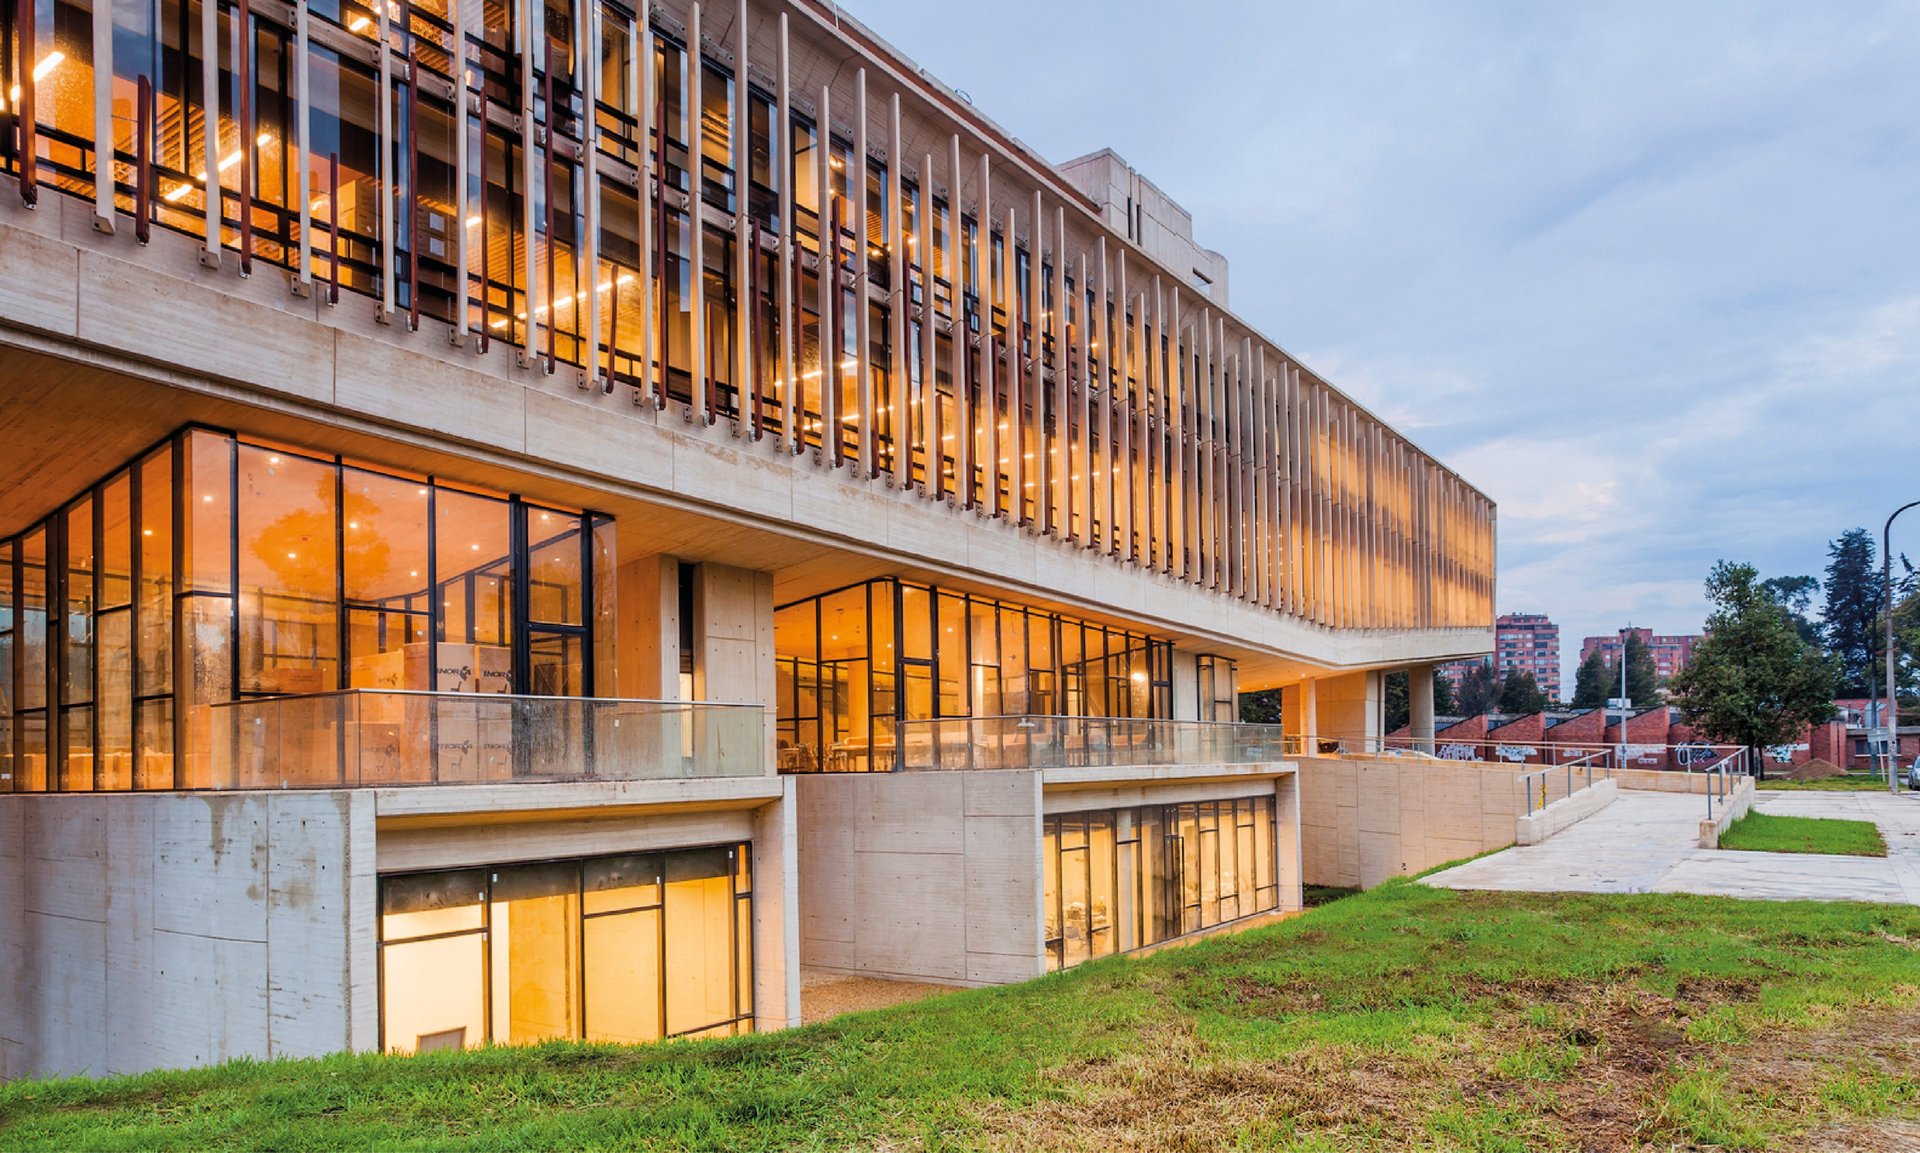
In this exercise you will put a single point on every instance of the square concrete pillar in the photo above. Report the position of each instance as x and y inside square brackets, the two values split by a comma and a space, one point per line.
[1420, 706]
[1349, 709]
[1299, 711]
[647, 634]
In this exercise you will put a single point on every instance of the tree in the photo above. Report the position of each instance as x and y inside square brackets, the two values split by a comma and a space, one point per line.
[1479, 690]
[1795, 594]
[1752, 681]
[1906, 633]
[1851, 617]
[1261, 707]
[1643, 678]
[1591, 683]
[1395, 691]
[1443, 702]
[1520, 693]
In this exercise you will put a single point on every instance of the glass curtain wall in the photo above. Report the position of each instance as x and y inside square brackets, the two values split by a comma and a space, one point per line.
[854, 663]
[623, 949]
[1115, 880]
[213, 568]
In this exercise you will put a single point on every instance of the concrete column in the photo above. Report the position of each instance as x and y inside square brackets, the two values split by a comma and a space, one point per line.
[1420, 706]
[776, 914]
[647, 644]
[733, 639]
[1300, 709]
[1349, 707]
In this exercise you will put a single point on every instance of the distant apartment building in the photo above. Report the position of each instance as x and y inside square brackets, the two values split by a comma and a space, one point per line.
[1529, 642]
[1670, 653]
[1523, 642]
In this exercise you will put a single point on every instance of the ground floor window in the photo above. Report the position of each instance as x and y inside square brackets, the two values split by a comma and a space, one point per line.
[618, 948]
[1118, 879]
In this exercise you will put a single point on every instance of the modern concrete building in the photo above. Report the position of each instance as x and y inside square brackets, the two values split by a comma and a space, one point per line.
[524, 521]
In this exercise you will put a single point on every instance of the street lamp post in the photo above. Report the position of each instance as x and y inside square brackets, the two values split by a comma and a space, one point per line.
[1624, 703]
[1893, 688]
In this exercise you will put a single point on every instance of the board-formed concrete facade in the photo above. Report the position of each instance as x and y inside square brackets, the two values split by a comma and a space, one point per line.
[412, 555]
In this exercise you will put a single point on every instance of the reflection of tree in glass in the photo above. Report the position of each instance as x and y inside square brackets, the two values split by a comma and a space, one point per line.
[297, 546]
[367, 552]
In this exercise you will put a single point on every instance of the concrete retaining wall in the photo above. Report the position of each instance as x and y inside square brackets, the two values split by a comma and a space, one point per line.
[923, 876]
[1662, 781]
[1364, 821]
[160, 930]
[1535, 827]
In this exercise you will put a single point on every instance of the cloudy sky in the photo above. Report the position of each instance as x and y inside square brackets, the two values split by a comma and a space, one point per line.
[1647, 273]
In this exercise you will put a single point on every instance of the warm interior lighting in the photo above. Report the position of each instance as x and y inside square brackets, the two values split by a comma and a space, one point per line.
[358, 24]
[47, 64]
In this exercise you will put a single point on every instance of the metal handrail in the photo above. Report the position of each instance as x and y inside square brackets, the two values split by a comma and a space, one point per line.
[1585, 764]
[1719, 773]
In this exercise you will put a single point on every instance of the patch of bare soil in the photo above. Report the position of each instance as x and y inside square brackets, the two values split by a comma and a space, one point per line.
[824, 996]
[1815, 770]
[1872, 1137]
[1171, 1092]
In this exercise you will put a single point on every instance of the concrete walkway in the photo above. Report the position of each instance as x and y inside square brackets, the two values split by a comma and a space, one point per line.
[1649, 843]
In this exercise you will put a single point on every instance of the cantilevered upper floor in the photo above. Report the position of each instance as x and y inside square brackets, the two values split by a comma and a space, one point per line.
[911, 349]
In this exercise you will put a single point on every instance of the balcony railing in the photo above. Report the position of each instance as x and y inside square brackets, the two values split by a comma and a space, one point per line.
[383, 737]
[1030, 742]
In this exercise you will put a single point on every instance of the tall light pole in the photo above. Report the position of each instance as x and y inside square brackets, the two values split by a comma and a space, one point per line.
[1624, 703]
[1892, 714]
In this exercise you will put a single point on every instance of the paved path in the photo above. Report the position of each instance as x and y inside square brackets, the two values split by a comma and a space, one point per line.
[1649, 843]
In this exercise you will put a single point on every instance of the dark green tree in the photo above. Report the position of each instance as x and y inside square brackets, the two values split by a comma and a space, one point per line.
[1395, 693]
[1850, 620]
[1590, 684]
[1520, 693]
[1261, 707]
[1643, 677]
[1752, 681]
[1443, 701]
[1795, 594]
[1479, 690]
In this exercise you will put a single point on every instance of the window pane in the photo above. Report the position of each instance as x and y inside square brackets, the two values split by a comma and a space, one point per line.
[614, 884]
[433, 994]
[1100, 897]
[155, 746]
[430, 904]
[77, 671]
[116, 543]
[475, 574]
[699, 924]
[116, 700]
[209, 518]
[623, 977]
[553, 568]
[289, 616]
[156, 573]
[208, 679]
[384, 549]
[534, 922]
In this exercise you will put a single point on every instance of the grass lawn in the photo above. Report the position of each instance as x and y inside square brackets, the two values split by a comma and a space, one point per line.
[1847, 784]
[1768, 833]
[1405, 1017]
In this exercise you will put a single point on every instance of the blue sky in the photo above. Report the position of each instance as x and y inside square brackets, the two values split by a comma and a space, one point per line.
[1647, 273]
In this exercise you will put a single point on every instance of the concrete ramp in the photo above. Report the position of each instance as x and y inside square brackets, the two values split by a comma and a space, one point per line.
[1648, 842]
